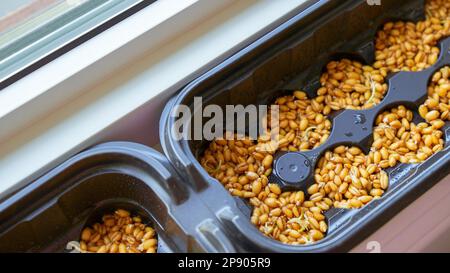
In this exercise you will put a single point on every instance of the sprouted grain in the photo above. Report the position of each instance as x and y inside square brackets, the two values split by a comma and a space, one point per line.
[344, 177]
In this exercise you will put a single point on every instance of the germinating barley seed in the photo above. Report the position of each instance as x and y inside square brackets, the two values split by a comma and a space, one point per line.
[119, 233]
[344, 177]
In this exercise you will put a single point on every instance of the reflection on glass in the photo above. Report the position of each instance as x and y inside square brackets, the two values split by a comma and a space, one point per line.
[32, 29]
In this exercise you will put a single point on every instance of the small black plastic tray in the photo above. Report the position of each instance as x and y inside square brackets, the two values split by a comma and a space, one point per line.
[51, 212]
[292, 57]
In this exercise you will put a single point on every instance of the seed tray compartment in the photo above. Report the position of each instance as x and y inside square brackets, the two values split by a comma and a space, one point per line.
[292, 57]
[52, 211]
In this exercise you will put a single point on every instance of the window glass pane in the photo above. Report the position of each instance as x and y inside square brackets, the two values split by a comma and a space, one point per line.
[32, 29]
[21, 15]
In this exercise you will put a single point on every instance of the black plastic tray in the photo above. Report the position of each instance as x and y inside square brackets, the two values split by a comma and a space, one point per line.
[292, 57]
[51, 212]
[191, 211]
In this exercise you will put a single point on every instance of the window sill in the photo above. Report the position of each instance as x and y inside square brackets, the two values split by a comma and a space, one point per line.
[114, 86]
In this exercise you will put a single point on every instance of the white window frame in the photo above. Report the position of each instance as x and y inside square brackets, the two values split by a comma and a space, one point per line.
[119, 80]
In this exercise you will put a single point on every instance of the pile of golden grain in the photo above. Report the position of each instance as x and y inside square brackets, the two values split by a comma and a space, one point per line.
[344, 177]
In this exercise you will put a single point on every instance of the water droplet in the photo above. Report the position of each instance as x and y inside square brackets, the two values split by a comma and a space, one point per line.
[359, 118]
